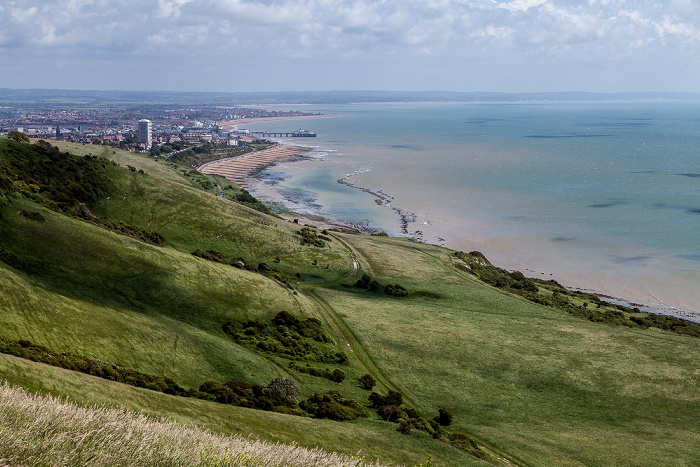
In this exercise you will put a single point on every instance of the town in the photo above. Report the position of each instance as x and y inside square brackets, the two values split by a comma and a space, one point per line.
[134, 129]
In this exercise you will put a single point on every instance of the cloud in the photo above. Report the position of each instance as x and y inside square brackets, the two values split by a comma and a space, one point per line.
[330, 26]
[520, 5]
[388, 33]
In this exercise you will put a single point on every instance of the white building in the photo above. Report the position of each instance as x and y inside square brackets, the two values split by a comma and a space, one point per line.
[145, 132]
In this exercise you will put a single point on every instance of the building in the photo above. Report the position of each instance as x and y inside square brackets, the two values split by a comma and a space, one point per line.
[145, 135]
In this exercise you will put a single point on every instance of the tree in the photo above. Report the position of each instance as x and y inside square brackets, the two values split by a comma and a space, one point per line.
[18, 136]
[282, 389]
[367, 381]
[444, 417]
[45, 145]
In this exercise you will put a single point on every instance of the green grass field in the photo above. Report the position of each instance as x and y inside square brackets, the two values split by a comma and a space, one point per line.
[549, 388]
[531, 384]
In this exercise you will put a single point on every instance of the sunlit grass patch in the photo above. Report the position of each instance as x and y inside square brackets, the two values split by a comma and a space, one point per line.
[38, 431]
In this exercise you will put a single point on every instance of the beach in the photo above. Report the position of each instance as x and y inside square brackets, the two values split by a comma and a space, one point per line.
[446, 194]
[239, 169]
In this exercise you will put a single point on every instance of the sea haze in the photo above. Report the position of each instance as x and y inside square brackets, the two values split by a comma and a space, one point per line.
[598, 195]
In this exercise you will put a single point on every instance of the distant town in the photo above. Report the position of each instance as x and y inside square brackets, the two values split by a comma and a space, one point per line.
[134, 130]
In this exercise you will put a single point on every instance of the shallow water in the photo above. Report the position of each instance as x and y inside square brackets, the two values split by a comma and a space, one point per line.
[602, 196]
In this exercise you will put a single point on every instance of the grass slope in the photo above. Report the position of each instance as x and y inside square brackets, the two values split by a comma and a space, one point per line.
[372, 439]
[531, 384]
[548, 388]
[61, 433]
[113, 298]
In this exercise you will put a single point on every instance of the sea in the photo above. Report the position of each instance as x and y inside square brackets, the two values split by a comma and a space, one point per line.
[600, 196]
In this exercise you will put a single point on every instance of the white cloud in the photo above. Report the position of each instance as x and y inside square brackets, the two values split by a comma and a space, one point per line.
[355, 33]
[170, 8]
[520, 5]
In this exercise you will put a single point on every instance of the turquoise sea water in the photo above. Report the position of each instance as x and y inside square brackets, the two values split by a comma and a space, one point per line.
[601, 196]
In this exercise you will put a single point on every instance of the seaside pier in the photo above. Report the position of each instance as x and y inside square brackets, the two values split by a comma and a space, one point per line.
[300, 133]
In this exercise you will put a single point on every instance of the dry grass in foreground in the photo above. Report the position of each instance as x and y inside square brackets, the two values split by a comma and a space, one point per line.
[45, 431]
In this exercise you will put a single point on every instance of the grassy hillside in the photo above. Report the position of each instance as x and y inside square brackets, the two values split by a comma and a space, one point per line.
[369, 439]
[546, 387]
[531, 384]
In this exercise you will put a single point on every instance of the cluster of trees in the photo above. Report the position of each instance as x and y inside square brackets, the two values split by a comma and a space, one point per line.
[310, 236]
[336, 375]
[288, 337]
[280, 395]
[367, 283]
[669, 323]
[18, 136]
[334, 406]
[246, 199]
[389, 407]
[57, 180]
[497, 277]
[37, 353]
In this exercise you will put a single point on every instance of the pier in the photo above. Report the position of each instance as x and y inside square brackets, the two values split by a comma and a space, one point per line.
[300, 133]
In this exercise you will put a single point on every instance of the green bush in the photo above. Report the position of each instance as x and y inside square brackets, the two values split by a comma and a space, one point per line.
[395, 290]
[336, 375]
[444, 417]
[367, 381]
[333, 405]
[310, 236]
[392, 398]
[288, 337]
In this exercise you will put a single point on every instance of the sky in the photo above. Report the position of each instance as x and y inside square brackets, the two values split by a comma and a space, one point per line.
[321, 45]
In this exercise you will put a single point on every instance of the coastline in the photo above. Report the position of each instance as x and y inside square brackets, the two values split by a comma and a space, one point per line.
[409, 225]
[239, 169]
[412, 225]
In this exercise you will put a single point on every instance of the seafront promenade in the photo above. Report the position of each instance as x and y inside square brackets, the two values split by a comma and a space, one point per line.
[238, 168]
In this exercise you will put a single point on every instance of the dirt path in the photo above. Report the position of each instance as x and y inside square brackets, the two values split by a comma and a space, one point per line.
[352, 345]
[348, 340]
[216, 182]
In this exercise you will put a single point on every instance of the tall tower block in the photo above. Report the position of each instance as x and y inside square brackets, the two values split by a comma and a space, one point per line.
[145, 132]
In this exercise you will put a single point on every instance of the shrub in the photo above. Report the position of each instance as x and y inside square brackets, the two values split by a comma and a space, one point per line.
[336, 375]
[310, 237]
[288, 337]
[367, 381]
[444, 417]
[392, 398]
[363, 282]
[390, 413]
[283, 390]
[395, 290]
[333, 405]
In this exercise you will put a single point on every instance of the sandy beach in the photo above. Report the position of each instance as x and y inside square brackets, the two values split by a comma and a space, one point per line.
[238, 169]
